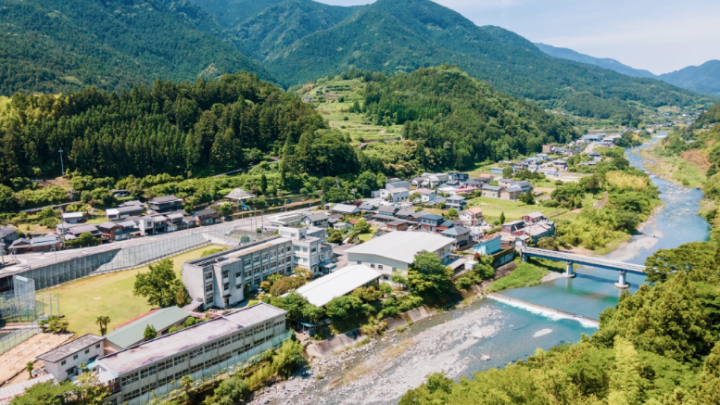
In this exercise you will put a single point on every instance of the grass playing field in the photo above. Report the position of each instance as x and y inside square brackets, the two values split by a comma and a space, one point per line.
[82, 301]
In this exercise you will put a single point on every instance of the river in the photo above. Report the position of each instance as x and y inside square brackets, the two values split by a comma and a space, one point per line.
[488, 333]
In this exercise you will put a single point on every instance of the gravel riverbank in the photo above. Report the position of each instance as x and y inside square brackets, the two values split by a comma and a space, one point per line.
[384, 369]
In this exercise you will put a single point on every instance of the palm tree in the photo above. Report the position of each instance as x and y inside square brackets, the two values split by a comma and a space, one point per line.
[186, 383]
[102, 321]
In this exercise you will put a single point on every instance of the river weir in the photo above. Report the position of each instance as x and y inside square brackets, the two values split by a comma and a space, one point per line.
[494, 332]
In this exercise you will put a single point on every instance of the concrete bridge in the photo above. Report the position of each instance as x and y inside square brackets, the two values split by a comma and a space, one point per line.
[571, 259]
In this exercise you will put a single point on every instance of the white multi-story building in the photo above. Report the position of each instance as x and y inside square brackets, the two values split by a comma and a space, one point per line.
[220, 280]
[135, 374]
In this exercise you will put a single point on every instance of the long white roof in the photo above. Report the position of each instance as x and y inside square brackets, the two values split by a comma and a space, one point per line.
[402, 246]
[337, 284]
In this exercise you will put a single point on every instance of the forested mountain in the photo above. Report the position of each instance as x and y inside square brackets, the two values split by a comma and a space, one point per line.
[171, 128]
[454, 121]
[269, 34]
[606, 63]
[403, 35]
[703, 79]
[230, 13]
[58, 46]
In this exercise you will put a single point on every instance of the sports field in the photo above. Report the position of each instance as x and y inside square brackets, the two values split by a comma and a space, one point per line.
[82, 301]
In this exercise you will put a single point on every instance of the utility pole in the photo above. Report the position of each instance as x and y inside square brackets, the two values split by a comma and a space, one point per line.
[62, 167]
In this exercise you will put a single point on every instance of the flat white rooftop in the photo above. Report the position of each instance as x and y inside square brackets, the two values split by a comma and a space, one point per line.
[169, 345]
[337, 284]
[402, 246]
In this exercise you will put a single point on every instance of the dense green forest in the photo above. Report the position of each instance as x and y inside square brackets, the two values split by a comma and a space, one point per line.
[455, 121]
[660, 346]
[171, 128]
[53, 46]
[404, 35]
[268, 35]
[230, 13]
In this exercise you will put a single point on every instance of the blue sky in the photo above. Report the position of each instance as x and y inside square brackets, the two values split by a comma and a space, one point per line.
[658, 35]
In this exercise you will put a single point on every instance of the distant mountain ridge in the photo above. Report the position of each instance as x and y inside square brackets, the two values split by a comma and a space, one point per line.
[704, 79]
[606, 63]
[404, 35]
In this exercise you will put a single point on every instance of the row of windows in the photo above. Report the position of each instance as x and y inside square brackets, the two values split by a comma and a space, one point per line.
[177, 376]
[180, 359]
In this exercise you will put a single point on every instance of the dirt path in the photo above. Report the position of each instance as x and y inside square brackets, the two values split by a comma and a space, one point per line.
[14, 360]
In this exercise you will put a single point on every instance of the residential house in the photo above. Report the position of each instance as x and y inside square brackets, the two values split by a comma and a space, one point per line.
[239, 195]
[153, 225]
[121, 213]
[488, 245]
[387, 210]
[319, 220]
[342, 226]
[491, 191]
[534, 217]
[117, 231]
[525, 186]
[447, 189]
[345, 209]
[367, 207]
[460, 177]
[8, 235]
[549, 171]
[207, 216]
[73, 217]
[426, 194]
[63, 362]
[444, 226]
[485, 178]
[335, 218]
[175, 221]
[398, 225]
[477, 183]
[511, 193]
[430, 221]
[394, 184]
[456, 201]
[77, 230]
[415, 216]
[539, 230]
[506, 182]
[404, 213]
[47, 243]
[398, 194]
[165, 204]
[131, 333]
[466, 190]
[595, 156]
[472, 216]
[496, 170]
[460, 234]
[513, 227]
[560, 164]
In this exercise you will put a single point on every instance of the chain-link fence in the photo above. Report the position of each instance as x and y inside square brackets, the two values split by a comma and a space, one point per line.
[21, 311]
[135, 253]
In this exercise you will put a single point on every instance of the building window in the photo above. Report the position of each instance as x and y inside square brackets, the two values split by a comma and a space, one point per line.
[225, 273]
[87, 351]
[97, 346]
[226, 287]
[75, 357]
[238, 274]
[208, 288]
[208, 276]
[380, 266]
[62, 363]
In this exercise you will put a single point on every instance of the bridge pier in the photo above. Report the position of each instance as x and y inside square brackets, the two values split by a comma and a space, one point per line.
[622, 283]
[569, 271]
